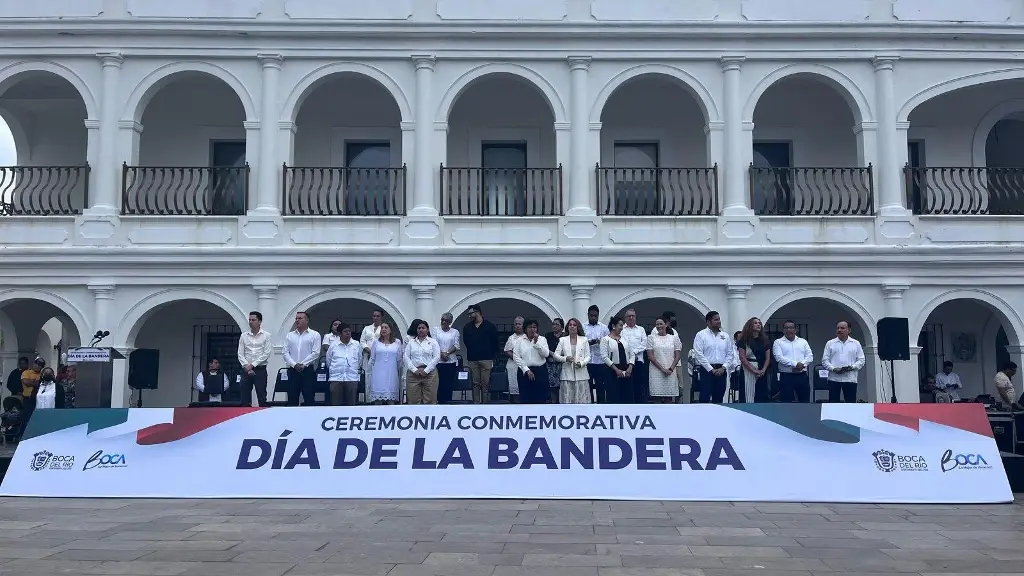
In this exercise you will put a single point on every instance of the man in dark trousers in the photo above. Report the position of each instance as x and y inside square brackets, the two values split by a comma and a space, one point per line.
[14, 378]
[481, 341]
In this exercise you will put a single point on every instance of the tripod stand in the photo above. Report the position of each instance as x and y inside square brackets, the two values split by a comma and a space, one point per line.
[892, 380]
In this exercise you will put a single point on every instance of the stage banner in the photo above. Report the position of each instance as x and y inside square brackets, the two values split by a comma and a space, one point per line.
[935, 453]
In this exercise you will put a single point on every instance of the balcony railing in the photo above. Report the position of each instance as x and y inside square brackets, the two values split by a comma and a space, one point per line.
[501, 191]
[657, 191]
[965, 191]
[344, 191]
[812, 191]
[184, 190]
[43, 190]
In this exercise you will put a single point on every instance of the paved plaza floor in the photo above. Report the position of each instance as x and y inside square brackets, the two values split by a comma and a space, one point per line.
[503, 538]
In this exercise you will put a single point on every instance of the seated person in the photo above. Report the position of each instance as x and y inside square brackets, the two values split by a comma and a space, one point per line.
[948, 381]
[212, 383]
[10, 418]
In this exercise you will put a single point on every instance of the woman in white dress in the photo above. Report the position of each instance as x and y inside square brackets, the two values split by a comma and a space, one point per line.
[573, 351]
[510, 367]
[385, 366]
[50, 393]
[663, 352]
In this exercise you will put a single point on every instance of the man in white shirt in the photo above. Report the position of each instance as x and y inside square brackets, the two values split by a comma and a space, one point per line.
[948, 381]
[254, 349]
[301, 350]
[1004, 385]
[843, 358]
[343, 360]
[636, 336]
[595, 331]
[530, 354]
[793, 356]
[421, 357]
[448, 368]
[716, 358]
[366, 338]
[212, 383]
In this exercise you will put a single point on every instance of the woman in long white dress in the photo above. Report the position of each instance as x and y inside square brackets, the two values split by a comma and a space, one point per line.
[510, 367]
[663, 351]
[385, 367]
[573, 351]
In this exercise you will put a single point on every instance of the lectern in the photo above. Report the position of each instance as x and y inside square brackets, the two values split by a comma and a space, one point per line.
[94, 375]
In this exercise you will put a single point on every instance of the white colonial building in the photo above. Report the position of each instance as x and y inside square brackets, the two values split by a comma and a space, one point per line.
[180, 163]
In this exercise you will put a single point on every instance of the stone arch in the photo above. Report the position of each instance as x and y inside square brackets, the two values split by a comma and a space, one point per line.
[847, 88]
[1000, 307]
[464, 81]
[157, 79]
[542, 303]
[316, 77]
[988, 122]
[649, 293]
[700, 93]
[73, 312]
[136, 316]
[9, 74]
[860, 314]
[339, 294]
[955, 84]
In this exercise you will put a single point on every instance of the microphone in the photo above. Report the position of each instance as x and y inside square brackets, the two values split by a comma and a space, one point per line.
[99, 335]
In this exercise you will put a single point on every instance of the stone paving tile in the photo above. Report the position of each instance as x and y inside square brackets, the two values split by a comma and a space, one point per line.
[193, 555]
[604, 571]
[358, 569]
[572, 560]
[455, 558]
[439, 570]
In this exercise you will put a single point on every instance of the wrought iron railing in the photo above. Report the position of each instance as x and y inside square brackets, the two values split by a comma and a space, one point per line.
[43, 190]
[184, 190]
[812, 191]
[501, 191]
[344, 191]
[965, 191]
[657, 191]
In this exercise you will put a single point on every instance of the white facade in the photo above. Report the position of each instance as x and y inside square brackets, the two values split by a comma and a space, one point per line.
[381, 141]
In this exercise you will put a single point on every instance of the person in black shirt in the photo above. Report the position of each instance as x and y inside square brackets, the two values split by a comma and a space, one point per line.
[481, 343]
[755, 353]
[14, 378]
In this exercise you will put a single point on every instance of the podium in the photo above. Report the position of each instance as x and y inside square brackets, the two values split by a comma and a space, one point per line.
[94, 375]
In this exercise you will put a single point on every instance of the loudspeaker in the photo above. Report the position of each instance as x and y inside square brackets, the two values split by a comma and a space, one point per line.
[894, 339]
[143, 369]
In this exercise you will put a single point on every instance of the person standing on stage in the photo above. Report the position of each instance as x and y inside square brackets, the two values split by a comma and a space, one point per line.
[554, 366]
[636, 337]
[385, 366]
[254, 349]
[344, 358]
[212, 383]
[715, 353]
[843, 358]
[510, 365]
[1004, 385]
[530, 355]
[754, 352]
[481, 339]
[422, 355]
[794, 357]
[331, 337]
[595, 331]
[367, 337]
[301, 351]
[618, 359]
[574, 354]
[664, 351]
[448, 368]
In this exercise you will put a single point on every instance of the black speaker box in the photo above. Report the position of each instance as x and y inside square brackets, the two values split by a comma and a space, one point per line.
[143, 369]
[894, 339]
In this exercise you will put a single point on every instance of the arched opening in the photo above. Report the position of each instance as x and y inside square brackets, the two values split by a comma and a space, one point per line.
[654, 152]
[35, 329]
[501, 151]
[348, 150]
[355, 312]
[963, 154]
[43, 146]
[191, 152]
[808, 156]
[816, 320]
[173, 343]
[976, 336]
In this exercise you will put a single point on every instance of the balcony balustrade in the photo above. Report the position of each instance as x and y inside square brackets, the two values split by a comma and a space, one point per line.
[43, 190]
[965, 191]
[501, 191]
[344, 191]
[812, 191]
[657, 191]
[184, 191]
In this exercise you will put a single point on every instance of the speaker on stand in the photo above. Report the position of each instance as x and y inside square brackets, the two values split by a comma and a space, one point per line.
[893, 344]
[143, 371]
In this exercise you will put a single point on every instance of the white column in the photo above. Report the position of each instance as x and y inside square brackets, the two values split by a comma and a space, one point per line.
[424, 291]
[105, 194]
[268, 180]
[905, 372]
[893, 294]
[736, 293]
[266, 301]
[581, 293]
[579, 169]
[887, 179]
[103, 297]
[423, 161]
[735, 173]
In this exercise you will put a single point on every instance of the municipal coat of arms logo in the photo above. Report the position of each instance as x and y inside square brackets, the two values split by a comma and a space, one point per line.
[40, 460]
[885, 460]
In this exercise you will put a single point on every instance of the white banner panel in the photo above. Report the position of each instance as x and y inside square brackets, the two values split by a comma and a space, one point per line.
[760, 452]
